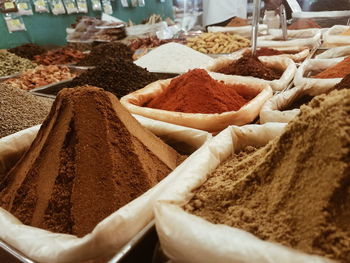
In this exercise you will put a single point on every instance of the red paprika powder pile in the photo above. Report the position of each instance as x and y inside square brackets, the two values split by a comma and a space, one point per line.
[197, 92]
[249, 65]
[339, 70]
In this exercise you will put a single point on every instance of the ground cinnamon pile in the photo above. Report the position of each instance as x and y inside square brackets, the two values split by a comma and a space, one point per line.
[339, 70]
[197, 92]
[63, 55]
[295, 190]
[237, 21]
[90, 158]
[249, 65]
[304, 23]
[344, 83]
[265, 51]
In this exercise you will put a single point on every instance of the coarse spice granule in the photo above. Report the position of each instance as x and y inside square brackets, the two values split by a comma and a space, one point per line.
[20, 109]
[12, 64]
[295, 190]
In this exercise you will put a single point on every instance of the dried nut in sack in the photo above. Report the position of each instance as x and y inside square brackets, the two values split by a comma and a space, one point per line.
[217, 42]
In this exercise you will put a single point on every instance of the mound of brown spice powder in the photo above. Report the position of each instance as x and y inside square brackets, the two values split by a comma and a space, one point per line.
[90, 158]
[339, 70]
[249, 65]
[296, 189]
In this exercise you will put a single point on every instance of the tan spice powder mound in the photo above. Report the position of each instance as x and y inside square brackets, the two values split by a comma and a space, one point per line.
[90, 158]
[296, 189]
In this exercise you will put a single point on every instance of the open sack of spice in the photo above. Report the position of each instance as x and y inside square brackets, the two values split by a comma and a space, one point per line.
[244, 31]
[285, 106]
[335, 52]
[337, 35]
[199, 100]
[278, 72]
[296, 38]
[322, 74]
[297, 54]
[283, 202]
[86, 184]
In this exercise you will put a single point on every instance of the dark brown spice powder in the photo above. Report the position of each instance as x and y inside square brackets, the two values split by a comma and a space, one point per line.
[249, 65]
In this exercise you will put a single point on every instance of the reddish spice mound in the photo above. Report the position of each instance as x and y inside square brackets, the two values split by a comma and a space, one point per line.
[249, 65]
[339, 70]
[197, 92]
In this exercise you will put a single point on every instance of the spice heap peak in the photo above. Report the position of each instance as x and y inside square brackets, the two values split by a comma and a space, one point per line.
[90, 158]
[197, 92]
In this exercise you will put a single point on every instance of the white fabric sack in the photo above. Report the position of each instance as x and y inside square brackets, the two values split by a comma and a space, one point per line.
[245, 31]
[333, 37]
[316, 65]
[145, 29]
[277, 62]
[335, 52]
[297, 38]
[272, 110]
[188, 238]
[207, 122]
[110, 234]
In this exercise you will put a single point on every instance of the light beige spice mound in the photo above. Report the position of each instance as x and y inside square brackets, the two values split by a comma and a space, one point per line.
[296, 189]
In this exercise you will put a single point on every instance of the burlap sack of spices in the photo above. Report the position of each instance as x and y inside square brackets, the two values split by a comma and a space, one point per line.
[283, 64]
[314, 66]
[111, 233]
[208, 122]
[296, 38]
[188, 238]
[337, 35]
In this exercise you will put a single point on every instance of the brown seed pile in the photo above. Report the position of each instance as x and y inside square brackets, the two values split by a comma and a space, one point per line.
[99, 53]
[294, 191]
[20, 110]
[28, 50]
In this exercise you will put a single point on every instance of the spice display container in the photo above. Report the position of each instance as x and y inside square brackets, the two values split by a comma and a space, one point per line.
[3, 78]
[337, 35]
[312, 67]
[15, 234]
[335, 52]
[209, 122]
[284, 64]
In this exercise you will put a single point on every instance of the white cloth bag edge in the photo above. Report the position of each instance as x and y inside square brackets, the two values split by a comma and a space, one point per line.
[316, 83]
[188, 238]
[330, 36]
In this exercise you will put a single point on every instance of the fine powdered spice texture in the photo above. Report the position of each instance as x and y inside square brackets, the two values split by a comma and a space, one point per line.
[249, 65]
[90, 158]
[340, 70]
[295, 190]
[20, 109]
[344, 83]
[173, 57]
[197, 92]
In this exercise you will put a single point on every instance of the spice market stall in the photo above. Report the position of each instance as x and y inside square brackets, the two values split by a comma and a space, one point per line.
[135, 135]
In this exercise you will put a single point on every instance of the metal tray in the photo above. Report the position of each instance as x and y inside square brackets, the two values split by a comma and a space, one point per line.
[2, 78]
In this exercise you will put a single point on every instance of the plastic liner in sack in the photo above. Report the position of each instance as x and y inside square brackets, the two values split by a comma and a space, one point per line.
[336, 52]
[273, 109]
[187, 238]
[208, 122]
[333, 37]
[315, 66]
[245, 31]
[281, 63]
[110, 234]
[296, 38]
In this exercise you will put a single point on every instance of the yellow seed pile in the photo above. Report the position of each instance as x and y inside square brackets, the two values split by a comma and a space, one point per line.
[217, 42]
